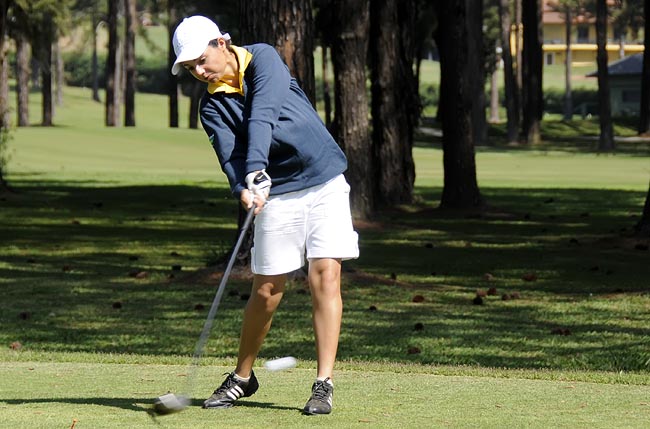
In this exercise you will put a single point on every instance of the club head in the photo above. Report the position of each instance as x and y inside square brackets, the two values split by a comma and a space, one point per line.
[170, 403]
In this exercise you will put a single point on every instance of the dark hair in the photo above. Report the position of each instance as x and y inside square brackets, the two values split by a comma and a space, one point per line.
[215, 43]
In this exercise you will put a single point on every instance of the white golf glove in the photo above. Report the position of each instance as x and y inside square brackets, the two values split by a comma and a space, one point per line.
[259, 183]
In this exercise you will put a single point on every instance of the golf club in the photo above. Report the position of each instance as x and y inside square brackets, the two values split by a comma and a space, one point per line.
[171, 403]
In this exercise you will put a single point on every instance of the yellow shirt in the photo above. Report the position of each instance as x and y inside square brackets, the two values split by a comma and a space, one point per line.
[243, 58]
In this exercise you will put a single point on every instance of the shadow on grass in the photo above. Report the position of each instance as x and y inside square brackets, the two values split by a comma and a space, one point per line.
[122, 270]
[577, 136]
[138, 404]
[130, 404]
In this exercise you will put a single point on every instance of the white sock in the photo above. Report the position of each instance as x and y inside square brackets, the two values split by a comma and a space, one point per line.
[329, 380]
[238, 378]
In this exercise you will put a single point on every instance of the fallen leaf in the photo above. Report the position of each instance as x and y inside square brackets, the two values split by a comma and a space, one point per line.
[529, 277]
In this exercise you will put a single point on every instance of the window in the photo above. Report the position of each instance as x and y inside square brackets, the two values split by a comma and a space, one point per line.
[550, 59]
[630, 96]
[583, 34]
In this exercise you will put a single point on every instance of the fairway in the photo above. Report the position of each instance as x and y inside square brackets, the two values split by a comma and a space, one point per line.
[114, 241]
[46, 395]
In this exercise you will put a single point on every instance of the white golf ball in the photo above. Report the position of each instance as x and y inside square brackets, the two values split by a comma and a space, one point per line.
[281, 363]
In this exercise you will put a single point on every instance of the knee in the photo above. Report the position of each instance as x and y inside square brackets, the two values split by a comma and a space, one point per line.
[325, 284]
[266, 297]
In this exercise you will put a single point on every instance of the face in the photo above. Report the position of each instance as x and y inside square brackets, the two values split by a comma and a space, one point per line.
[211, 66]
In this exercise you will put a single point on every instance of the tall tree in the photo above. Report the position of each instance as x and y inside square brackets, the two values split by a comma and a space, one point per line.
[643, 226]
[426, 23]
[459, 28]
[519, 39]
[112, 86]
[485, 58]
[4, 94]
[172, 23]
[606, 140]
[44, 48]
[20, 31]
[532, 72]
[287, 25]
[58, 70]
[509, 77]
[644, 116]
[349, 50]
[395, 100]
[89, 14]
[323, 22]
[572, 10]
[196, 93]
[131, 26]
[22, 78]
[568, 60]
[94, 22]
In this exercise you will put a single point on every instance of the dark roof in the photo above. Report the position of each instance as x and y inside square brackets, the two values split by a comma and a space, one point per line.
[628, 66]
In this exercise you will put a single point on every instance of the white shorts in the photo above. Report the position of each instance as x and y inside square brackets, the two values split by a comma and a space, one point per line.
[315, 222]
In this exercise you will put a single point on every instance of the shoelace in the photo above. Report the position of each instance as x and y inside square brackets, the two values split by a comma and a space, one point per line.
[227, 384]
[321, 391]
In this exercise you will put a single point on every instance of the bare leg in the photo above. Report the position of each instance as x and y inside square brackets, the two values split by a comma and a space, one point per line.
[266, 295]
[325, 285]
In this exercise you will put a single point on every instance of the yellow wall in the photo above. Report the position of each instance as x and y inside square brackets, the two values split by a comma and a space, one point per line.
[582, 53]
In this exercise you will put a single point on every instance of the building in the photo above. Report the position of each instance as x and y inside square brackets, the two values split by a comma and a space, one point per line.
[583, 40]
[624, 85]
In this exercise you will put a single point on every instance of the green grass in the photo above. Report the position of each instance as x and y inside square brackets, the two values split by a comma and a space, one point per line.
[93, 206]
[109, 395]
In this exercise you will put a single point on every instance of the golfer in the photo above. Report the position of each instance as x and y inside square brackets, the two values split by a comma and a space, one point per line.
[282, 162]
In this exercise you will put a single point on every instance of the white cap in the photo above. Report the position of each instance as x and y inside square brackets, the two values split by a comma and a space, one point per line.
[191, 38]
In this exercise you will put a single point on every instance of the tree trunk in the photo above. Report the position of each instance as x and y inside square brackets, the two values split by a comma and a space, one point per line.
[172, 90]
[644, 116]
[509, 76]
[395, 101]
[22, 79]
[120, 78]
[327, 98]
[458, 68]
[532, 72]
[4, 99]
[606, 141]
[475, 38]
[94, 65]
[568, 98]
[59, 72]
[5, 117]
[111, 63]
[287, 25]
[349, 50]
[198, 88]
[518, 48]
[45, 59]
[643, 226]
[129, 62]
[4, 81]
[494, 93]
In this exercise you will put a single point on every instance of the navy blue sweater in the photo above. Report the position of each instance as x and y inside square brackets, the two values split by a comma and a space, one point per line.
[273, 126]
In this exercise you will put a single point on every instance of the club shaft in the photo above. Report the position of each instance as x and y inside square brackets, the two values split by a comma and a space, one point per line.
[207, 326]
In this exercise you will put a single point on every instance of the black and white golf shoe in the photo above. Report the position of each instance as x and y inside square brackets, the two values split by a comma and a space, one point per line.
[321, 398]
[231, 390]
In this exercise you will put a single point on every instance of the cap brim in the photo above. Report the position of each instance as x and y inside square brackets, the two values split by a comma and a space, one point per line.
[188, 53]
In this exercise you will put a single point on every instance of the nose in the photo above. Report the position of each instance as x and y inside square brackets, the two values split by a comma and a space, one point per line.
[198, 68]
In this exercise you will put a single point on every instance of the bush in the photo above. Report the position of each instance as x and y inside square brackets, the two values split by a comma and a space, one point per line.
[585, 101]
[152, 74]
[78, 70]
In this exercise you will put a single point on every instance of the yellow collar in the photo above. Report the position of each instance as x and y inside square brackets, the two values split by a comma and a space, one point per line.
[243, 58]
